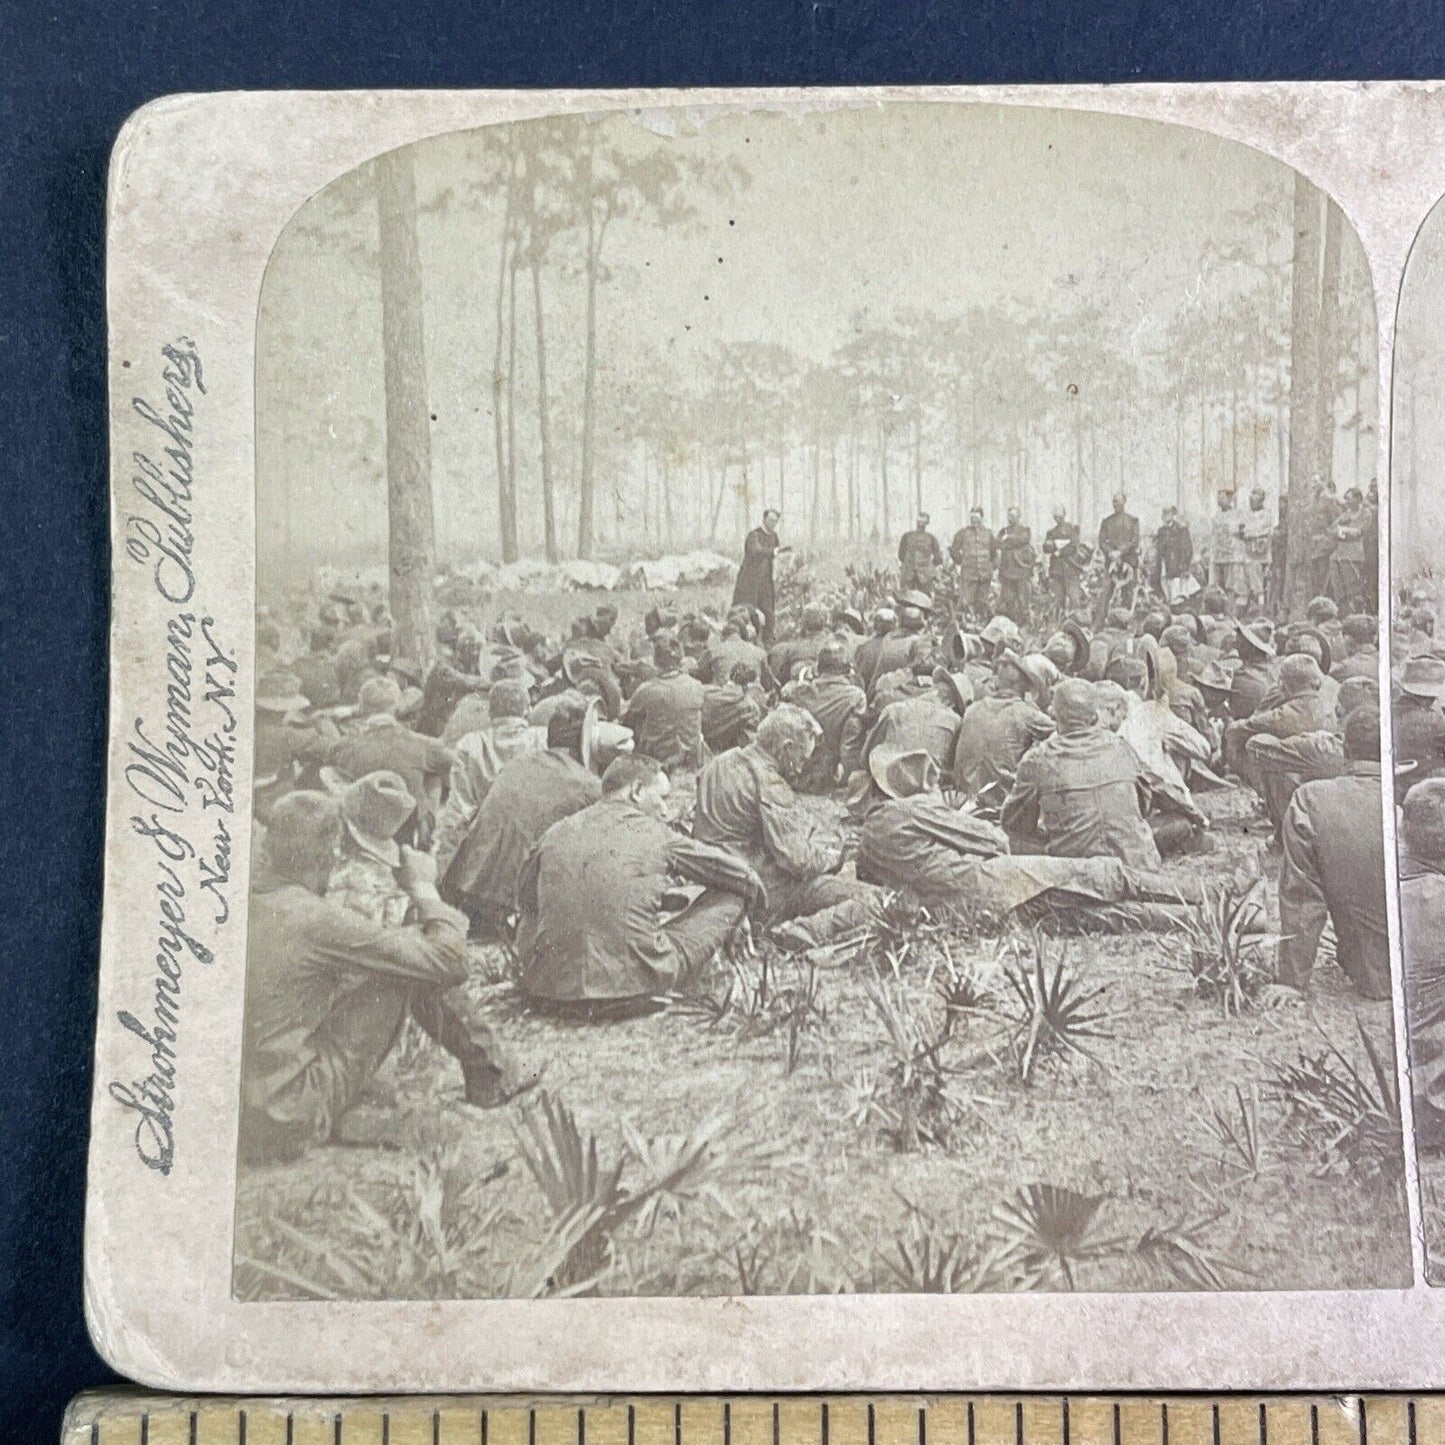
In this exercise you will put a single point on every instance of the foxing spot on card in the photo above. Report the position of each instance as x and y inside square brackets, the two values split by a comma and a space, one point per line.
[764, 740]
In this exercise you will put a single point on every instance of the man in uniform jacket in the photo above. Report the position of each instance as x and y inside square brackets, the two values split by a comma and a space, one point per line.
[1419, 723]
[997, 731]
[327, 991]
[1298, 711]
[1015, 568]
[746, 805]
[973, 550]
[754, 585]
[1333, 869]
[785, 657]
[1257, 675]
[839, 706]
[1173, 556]
[1081, 792]
[1119, 535]
[665, 712]
[912, 839]
[1067, 560]
[383, 743]
[919, 557]
[731, 711]
[929, 721]
[530, 793]
[594, 938]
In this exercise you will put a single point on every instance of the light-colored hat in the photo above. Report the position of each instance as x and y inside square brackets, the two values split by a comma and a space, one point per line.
[1002, 629]
[379, 695]
[958, 684]
[902, 772]
[373, 809]
[280, 692]
[914, 598]
[1423, 677]
[602, 741]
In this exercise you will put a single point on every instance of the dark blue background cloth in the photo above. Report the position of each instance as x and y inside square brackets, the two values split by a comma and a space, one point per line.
[71, 73]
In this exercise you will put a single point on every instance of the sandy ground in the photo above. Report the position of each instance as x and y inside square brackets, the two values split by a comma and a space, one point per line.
[808, 1191]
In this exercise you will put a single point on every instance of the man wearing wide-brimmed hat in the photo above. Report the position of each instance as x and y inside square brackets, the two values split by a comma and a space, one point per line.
[1068, 557]
[914, 840]
[997, 731]
[287, 750]
[1419, 723]
[1257, 674]
[382, 742]
[365, 879]
[930, 718]
[327, 990]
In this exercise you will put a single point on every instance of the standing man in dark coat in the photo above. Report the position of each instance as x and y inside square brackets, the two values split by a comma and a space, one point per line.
[972, 550]
[1015, 568]
[1173, 557]
[1066, 562]
[919, 556]
[754, 587]
[1119, 536]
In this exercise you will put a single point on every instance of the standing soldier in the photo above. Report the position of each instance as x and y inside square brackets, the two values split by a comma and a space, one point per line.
[972, 550]
[1258, 539]
[1322, 516]
[1173, 558]
[1226, 549]
[1067, 560]
[1119, 535]
[1347, 559]
[919, 555]
[1015, 568]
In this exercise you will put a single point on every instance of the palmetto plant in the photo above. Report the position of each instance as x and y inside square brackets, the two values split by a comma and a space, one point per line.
[1048, 1230]
[1182, 1250]
[1233, 1124]
[407, 1237]
[1352, 1113]
[913, 1099]
[1053, 1010]
[926, 1258]
[1228, 954]
[587, 1198]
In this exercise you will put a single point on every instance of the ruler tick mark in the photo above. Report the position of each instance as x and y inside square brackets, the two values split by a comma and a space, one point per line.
[1118, 1433]
[971, 1440]
[581, 1428]
[241, 1428]
[1066, 1420]
[871, 1439]
[436, 1427]
[1263, 1424]
[1314, 1425]
[1018, 1422]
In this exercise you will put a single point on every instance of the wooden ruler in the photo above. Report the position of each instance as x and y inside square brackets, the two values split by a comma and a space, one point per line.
[136, 1418]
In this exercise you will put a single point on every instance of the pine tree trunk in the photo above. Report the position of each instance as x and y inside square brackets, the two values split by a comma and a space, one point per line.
[506, 478]
[549, 498]
[411, 520]
[589, 365]
[1305, 452]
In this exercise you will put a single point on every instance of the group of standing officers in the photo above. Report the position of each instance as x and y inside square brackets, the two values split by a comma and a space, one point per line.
[1242, 554]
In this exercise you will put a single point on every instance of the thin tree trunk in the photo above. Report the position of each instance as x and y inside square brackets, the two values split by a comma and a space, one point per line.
[411, 551]
[512, 378]
[506, 479]
[595, 236]
[1305, 451]
[883, 482]
[1329, 332]
[549, 499]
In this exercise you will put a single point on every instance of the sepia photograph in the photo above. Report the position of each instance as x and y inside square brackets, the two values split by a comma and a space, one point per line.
[1417, 678]
[817, 719]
